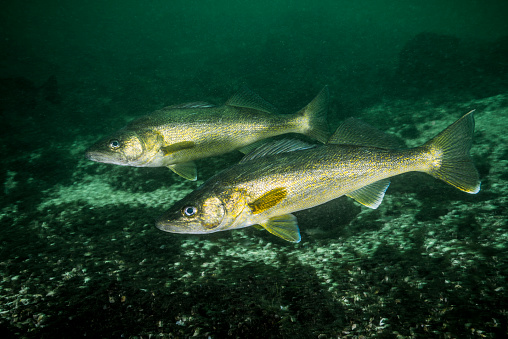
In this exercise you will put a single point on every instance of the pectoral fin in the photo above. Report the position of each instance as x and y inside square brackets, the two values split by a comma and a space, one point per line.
[284, 226]
[187, 170]
[268, 200]
[167, 150]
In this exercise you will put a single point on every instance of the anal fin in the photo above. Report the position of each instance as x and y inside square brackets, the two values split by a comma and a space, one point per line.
[371, 195]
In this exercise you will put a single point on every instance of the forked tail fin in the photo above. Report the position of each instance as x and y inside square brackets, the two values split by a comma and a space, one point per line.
[315, 114]
[449, 152]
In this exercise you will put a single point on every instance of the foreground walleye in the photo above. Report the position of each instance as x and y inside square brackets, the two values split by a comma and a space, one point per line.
[275, 180]
[177, 135]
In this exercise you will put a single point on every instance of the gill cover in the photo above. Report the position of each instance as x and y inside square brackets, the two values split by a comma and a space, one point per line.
[212, 213]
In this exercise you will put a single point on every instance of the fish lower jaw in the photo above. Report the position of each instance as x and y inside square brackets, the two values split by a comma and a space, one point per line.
[163, 226]
[177, 230]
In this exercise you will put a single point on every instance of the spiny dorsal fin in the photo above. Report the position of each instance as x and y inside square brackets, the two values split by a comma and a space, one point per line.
[248, 99]
[356, 132]
[371, 195]
[284, 226]
[268, 200]
[197, 104]
[186, 170]
[167, 150]
[276, 147]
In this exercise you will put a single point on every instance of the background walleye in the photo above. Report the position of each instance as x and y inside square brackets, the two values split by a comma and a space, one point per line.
[177, 135]
[287, 176]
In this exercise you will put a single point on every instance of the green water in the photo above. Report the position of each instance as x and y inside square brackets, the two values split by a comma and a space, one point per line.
[79, 252]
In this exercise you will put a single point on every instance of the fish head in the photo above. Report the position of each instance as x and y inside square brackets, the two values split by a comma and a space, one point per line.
[195, 216]
[200, 213]
[122, 148]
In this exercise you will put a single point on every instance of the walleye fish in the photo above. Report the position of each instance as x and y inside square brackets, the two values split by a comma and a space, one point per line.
[177, 135]
[287, 176]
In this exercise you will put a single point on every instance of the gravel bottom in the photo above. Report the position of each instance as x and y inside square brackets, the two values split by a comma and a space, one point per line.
[82, 257]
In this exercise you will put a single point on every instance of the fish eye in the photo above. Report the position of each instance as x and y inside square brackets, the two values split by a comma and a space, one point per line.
[114, 143]
[189, 211]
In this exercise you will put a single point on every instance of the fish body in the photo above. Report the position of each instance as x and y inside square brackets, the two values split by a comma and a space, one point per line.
[175, 136]
[275, 181]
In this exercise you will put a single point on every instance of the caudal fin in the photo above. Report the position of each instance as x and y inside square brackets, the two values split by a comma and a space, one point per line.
[315, 115]
[450, 155]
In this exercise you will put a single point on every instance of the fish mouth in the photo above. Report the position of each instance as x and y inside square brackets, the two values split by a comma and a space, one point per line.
[166, 225]
[163, 225]
[91, 155]
[98, 156]
[94, 156]
[160, 224]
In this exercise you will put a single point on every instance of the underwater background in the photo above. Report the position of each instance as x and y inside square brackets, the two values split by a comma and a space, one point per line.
[79, 252]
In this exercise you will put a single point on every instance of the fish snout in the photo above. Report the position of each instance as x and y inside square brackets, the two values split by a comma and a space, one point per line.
[170, 222]
[97, 156]
[164, 223]
[89, 155]
[106, 157]
[161, 224]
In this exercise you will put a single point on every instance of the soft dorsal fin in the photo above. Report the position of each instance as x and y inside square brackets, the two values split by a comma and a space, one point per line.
[186, 170]
[268, 200]
[284, 226]
[356, 132]
[197, 104]
[371, 195]
[276, 147]
[246, 98]
[251, 147]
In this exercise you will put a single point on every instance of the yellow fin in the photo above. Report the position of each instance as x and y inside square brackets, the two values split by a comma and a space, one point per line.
[268, 200]
[371, 195]
[284, 226]
[315, 113]
[167, 150]
[456, 166]
[186, 170]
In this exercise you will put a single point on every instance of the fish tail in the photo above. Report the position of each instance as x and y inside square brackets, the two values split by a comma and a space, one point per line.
[314, 116]
[448, 153]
